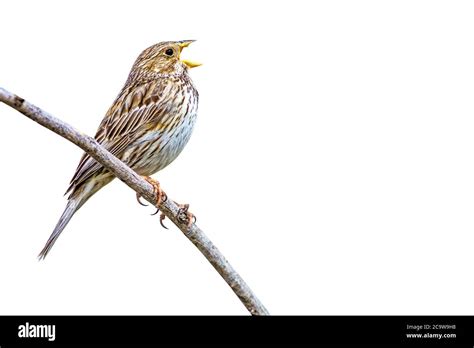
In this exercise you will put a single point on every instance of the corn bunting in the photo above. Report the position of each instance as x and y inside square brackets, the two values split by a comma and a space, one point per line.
[147, 126]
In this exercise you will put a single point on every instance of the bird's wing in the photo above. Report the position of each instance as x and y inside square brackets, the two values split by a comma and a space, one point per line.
[134, 109]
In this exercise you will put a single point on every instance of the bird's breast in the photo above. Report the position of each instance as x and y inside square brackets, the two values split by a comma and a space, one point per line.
[166, 138]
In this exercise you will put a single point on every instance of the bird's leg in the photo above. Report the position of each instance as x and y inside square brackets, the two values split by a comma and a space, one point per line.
[159, 193]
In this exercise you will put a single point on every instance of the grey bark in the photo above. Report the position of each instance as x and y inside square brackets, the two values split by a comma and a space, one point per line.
[142, 187]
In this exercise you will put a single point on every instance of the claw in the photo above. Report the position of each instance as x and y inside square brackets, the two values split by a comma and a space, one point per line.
[162, 218]
[156, 212]
[140, 202]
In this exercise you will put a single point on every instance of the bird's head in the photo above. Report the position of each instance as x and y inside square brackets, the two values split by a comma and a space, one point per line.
[164, 58]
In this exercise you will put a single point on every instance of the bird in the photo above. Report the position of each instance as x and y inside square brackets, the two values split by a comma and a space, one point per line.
[147, 126]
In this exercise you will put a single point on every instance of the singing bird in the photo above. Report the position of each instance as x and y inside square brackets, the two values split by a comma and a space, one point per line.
[147, 126]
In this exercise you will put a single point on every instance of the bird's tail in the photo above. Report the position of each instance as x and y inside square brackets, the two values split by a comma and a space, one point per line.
[78, 197]
[70, 210]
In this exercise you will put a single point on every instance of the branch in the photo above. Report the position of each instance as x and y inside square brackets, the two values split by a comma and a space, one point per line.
[142, 187]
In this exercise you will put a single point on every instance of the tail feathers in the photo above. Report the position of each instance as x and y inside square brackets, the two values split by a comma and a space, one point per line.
[78, 197]
[71, 208]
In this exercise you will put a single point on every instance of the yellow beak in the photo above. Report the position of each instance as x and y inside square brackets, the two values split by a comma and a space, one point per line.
[188, 63]
[185, 43]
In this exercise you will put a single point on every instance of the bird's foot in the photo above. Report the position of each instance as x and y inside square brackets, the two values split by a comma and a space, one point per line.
[184, 215]
[159, 193]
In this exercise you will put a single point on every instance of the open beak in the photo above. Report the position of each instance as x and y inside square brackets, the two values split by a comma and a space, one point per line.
[188, 63]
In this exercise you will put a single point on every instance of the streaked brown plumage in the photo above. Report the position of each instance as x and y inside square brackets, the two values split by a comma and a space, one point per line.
[146, 127]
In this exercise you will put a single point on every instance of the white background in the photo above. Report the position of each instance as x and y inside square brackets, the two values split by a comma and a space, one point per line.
[332, 161]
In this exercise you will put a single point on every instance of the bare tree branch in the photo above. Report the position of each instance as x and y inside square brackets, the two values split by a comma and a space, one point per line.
[141, 186]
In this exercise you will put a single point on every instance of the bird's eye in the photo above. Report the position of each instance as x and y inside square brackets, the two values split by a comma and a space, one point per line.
[169, 52]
